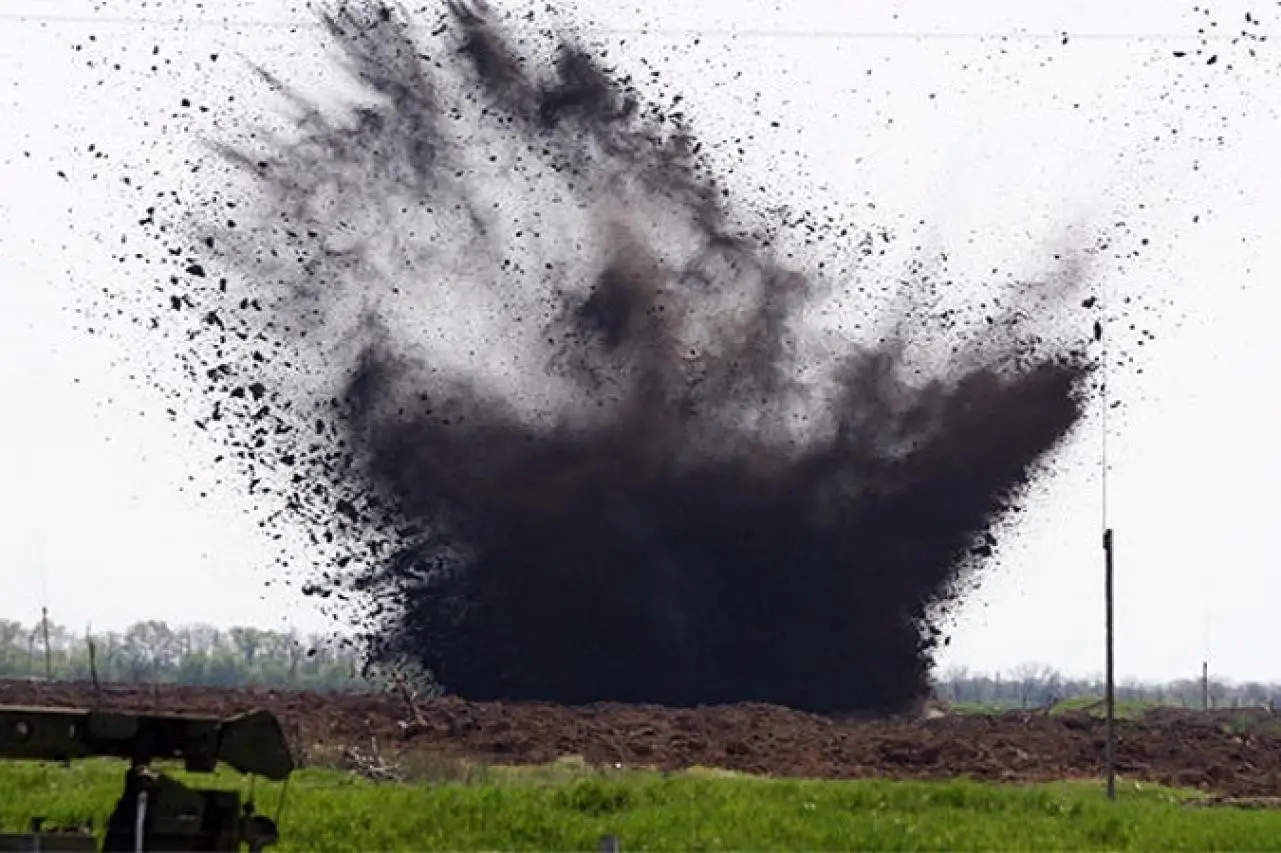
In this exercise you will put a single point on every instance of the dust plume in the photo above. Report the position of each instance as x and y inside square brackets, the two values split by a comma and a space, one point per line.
[496, 334]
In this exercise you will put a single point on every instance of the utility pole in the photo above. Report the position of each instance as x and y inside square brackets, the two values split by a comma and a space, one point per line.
[1110, 687]
[1109, 674]
[44, 608]
[44, 629]
[1205, 685]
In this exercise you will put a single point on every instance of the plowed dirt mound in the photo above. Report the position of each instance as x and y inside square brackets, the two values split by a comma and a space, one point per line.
[1186, 749]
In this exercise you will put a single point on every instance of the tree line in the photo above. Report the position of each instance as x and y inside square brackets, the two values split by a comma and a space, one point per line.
[1040, 686]
[152, 651]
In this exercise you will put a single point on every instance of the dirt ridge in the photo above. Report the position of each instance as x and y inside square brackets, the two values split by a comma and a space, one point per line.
[1230, 753]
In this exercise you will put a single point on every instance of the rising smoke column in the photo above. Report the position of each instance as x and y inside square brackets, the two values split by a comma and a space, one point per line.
[498, 329]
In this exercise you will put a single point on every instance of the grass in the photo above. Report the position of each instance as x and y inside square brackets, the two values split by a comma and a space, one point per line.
[568, 806]
[1124, 709]
[983, 708]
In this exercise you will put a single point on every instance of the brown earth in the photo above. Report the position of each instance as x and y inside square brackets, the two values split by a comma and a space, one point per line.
[1230, 753]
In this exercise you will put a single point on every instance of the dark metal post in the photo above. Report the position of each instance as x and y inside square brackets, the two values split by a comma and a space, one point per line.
[1110, 687]
[1205, 685]
[93, 667]
[48, 655]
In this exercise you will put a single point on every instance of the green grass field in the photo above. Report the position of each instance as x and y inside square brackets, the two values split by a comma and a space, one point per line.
[568, 807]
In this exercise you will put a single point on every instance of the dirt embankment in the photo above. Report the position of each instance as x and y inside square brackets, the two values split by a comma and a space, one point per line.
[1228, 754]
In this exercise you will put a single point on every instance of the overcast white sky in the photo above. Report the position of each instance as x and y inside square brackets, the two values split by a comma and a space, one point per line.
[997, 144]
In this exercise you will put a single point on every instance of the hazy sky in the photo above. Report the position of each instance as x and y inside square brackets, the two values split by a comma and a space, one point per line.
[1008, 149]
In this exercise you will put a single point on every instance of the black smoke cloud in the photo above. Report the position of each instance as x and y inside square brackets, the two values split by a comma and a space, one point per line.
[494, 335]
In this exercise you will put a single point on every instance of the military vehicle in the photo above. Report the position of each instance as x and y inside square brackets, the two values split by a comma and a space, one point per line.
[155, 811]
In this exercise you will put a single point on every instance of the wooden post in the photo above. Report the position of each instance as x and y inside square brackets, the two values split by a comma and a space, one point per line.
[1110, 674]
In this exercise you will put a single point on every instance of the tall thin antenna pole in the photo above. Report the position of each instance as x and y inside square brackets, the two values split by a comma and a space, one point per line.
[1205, 685]
[1110, 674]
[93, 665]
[48, 657]
[44, 609]
[1206, 596]
[1108, 587]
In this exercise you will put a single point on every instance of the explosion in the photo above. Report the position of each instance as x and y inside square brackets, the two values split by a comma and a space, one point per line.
[498, 333]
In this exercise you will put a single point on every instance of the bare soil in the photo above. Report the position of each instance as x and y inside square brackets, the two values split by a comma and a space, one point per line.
[1234, 754]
